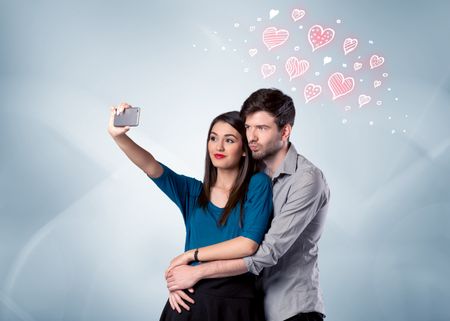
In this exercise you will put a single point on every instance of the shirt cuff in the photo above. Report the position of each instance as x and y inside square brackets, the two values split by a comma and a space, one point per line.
[250, 265]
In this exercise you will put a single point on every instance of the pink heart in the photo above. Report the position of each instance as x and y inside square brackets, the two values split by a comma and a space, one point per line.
[295, 67]
[364, 100]
[311, 91]
[273, 38]
[376, 61]
[297, 14]
[267, 70]
[357, 66]
[350, 45]
[339, 85]
[252, 52]
[319, 37]
[377, 83]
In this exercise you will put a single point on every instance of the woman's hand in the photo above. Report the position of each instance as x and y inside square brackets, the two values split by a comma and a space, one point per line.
[177, 298]
[182, 259]
[113, 130]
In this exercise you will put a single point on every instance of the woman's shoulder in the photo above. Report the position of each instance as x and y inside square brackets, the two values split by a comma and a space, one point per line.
[260, 180]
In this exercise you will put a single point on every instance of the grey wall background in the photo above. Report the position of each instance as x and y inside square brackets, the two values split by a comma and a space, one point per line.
[85, 236]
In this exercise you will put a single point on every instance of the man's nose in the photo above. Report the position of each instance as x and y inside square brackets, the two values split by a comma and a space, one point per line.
[251, 135]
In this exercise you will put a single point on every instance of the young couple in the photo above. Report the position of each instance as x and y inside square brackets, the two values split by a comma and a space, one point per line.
[252, 225]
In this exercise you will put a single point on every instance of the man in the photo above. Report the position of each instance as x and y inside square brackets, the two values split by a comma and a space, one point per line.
[287, 259]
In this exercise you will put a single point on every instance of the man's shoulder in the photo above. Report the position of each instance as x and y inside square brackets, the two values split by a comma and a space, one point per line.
[307, 176]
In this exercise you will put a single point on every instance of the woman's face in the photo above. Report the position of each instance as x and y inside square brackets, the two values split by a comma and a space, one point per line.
[225, 146]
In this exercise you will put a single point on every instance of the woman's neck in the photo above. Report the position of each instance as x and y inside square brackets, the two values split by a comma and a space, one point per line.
[226, 178]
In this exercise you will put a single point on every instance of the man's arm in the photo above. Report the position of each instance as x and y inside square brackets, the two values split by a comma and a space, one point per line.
[306, 198]
[186, 276]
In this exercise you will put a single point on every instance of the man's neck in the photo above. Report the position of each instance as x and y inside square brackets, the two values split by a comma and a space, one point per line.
[272, 163]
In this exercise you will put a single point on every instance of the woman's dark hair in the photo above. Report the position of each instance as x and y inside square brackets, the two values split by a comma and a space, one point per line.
[273, 101]
[246, 168]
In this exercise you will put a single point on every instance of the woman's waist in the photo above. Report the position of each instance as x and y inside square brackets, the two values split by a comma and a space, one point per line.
[240, 286]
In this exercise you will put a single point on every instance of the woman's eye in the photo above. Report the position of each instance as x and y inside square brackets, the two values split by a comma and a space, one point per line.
[230, 141]
[212, 138]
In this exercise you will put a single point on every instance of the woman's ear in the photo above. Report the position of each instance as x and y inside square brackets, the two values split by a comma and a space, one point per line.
[244, 154]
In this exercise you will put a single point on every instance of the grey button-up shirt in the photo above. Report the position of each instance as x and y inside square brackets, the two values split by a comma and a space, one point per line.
[288, 255]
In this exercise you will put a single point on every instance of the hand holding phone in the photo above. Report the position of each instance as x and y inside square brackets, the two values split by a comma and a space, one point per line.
[121, 119]
[128, 117]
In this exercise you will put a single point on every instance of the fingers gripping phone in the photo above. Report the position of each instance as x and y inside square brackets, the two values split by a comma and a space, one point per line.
[129, 117]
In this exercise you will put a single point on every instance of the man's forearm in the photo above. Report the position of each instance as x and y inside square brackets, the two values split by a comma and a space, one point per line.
[219, 269]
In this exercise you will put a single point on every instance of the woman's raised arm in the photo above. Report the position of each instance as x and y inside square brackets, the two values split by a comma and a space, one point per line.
[139, 156]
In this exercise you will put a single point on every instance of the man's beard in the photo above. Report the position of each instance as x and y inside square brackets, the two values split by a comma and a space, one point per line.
[269, 151]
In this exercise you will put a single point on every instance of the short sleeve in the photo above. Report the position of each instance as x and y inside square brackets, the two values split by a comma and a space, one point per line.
[257, 208]
[179, 188]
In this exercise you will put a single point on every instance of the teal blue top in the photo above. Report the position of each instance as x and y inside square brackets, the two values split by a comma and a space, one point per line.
[202, 227]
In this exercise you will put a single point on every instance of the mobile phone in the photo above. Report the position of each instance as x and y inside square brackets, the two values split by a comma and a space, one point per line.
[129, 117]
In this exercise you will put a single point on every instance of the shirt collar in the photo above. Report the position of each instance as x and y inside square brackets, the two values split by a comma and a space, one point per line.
[289, 164]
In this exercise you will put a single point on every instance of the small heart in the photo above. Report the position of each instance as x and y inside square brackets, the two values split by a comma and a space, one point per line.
[376, 61]
[273, 13]
[252, 52]
[364, 100]
[357, 66]
[350, 45]
[297, 14]
[311, 91]
[267, 70]
[377, 83]
[327, 60]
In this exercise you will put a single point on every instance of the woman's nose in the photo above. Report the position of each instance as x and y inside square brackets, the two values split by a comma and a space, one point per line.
[219, 145]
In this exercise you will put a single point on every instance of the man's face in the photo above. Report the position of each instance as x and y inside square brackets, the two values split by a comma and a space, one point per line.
[264, 138]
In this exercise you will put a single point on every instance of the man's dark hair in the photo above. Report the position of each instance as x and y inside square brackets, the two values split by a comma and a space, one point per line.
[273, 101]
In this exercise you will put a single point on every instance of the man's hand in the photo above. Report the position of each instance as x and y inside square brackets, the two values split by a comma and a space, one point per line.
[182, 259]
[182, 277]
[177, 298]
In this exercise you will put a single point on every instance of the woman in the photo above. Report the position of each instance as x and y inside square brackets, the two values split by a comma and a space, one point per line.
[226, 216]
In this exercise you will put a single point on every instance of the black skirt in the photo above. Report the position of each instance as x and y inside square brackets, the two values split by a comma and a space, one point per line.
[223, 299]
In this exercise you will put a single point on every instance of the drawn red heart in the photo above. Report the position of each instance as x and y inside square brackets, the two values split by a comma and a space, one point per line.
[252, 52]
[357, 66]
[272, 37]
[295, 67]
[364, 100]
[376, 61]
[339, 85]
[311, 91]
[319, 37]
[349, 45]
[297, 14]
[267, 70]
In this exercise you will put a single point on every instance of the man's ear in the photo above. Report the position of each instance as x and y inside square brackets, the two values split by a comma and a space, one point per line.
[286, 132]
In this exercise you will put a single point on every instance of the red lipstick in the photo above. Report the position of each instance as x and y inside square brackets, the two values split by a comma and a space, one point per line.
[219, 156]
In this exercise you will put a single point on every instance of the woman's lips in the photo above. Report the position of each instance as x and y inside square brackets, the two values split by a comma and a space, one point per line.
[219, 156]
